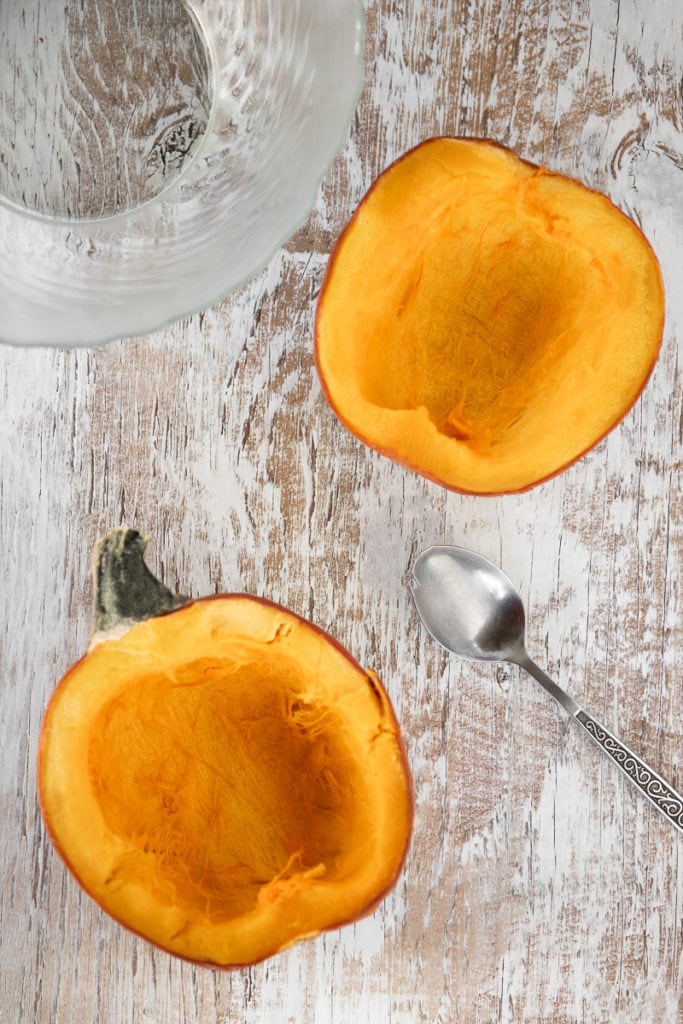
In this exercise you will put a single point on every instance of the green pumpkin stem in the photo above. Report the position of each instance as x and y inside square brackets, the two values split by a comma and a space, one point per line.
[126, 592]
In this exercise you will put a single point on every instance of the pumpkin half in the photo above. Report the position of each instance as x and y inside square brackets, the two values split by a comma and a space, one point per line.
[485, 321]
[222, 778]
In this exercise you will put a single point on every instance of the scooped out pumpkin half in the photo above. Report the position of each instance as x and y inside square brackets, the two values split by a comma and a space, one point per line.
[221, 777]
[485, 321]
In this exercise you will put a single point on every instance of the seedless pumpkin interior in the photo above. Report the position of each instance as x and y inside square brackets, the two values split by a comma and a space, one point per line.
[483, 320]
[480, 328]
[224, 783]
[226, 780]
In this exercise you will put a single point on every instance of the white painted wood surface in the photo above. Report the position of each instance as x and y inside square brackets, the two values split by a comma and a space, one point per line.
[539, 887]
[92, 122]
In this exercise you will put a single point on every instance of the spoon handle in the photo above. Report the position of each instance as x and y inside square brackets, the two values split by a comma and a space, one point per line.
[644, 778]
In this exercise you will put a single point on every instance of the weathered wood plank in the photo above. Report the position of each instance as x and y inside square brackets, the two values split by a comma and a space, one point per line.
[539, 887]
[100, 103]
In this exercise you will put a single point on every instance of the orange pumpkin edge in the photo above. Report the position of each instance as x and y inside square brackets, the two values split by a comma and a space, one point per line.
[389, 453]
[373, 681]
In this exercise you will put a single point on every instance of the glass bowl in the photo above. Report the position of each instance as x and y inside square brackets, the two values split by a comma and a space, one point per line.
[285, 76]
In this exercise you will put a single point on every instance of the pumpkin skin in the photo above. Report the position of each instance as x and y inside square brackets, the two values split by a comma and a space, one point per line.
[225, 780]
[484, 321]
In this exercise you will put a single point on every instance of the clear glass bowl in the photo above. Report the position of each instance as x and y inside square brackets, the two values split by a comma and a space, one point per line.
[285, 80]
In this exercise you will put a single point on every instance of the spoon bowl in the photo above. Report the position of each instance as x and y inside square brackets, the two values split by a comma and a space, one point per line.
[473, 610]
[468, 605]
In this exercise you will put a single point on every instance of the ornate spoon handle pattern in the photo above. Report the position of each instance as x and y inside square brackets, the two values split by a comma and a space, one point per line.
[650, 784]
[660, 794]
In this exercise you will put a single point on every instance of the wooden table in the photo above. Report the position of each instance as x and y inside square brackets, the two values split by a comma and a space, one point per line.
[539, 887]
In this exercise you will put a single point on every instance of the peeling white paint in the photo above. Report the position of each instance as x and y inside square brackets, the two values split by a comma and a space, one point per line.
[538, 889]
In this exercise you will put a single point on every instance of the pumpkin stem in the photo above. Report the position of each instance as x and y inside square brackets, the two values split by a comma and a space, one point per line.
[126, 592]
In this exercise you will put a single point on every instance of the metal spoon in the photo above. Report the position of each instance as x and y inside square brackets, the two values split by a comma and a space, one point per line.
[472, 609]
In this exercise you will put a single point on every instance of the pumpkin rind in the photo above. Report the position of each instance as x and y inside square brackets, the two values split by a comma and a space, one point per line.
[225, 780]
[485, 321]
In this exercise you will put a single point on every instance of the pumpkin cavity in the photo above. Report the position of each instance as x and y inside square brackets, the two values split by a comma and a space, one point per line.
[485, 321]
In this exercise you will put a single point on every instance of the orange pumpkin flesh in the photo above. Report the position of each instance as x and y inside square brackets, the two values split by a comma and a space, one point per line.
[225, 780]
[485, 321]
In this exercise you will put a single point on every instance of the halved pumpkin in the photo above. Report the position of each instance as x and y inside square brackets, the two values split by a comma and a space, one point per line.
[485, 321]
[223, 779]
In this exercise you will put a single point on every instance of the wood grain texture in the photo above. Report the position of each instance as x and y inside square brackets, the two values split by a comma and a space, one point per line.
[539, 887]
[94, 119]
